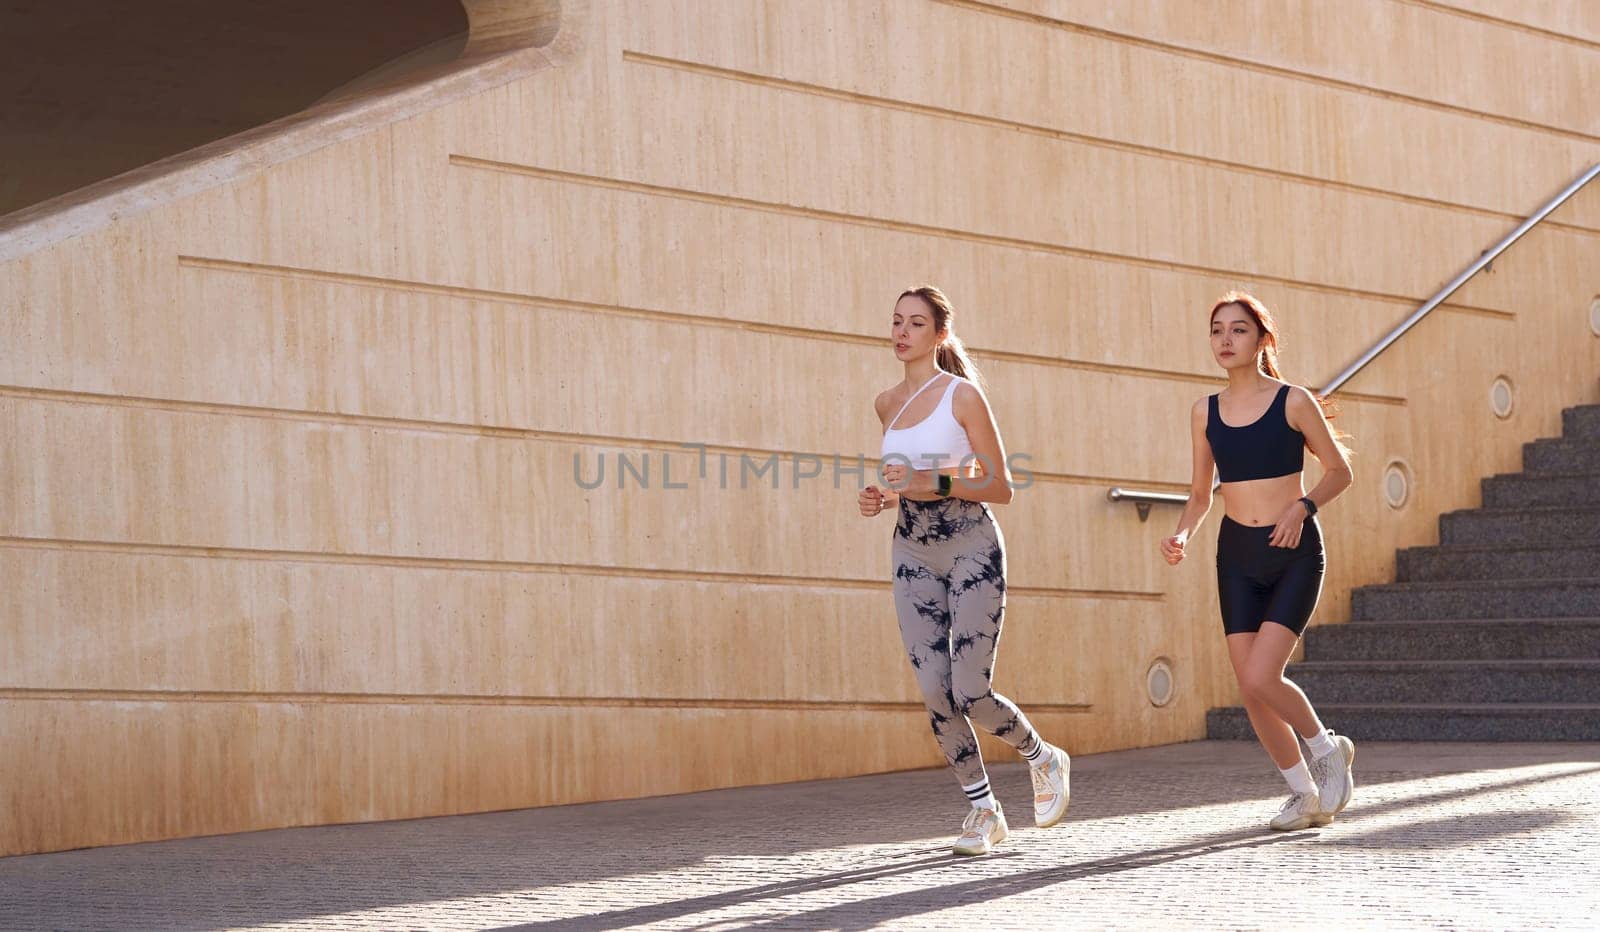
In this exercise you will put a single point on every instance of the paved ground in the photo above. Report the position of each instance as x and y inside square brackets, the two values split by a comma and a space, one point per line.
[1439, 835]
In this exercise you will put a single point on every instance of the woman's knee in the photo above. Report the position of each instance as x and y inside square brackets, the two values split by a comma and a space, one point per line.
[1259, 684]
[939, 700]
[968, 701]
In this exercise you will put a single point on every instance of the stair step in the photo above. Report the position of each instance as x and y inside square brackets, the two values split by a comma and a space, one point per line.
[1561, 456]
[1539, 527]
[1435, 722]
[1498, 598]
[1523, 490]
[1581, 423]
[1457, 639]
[1448, 681]
[1444, 564]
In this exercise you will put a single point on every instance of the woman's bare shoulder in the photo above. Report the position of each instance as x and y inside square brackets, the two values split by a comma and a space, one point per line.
[884, 403]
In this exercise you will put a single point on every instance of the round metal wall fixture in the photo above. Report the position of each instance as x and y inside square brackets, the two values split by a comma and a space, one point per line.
[1396, 483]
[1159, 684]
[1594, 315]
[1501, 398]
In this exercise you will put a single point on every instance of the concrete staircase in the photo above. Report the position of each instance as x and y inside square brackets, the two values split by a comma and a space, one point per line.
[1494, 635]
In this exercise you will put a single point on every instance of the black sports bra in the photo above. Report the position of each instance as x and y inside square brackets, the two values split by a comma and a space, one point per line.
[1265, 449]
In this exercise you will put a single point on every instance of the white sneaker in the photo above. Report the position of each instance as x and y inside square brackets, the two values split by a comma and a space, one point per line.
[1298, 812]
[1051, 788]
[983, 829]
[1334, 780]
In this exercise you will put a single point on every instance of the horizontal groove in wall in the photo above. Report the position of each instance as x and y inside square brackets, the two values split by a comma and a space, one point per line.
[1183, 51]
[1103, 142]
[466, 293]
[1488, 19]
[511, 566]
[920, 229]
[428, 699]
[508, 433]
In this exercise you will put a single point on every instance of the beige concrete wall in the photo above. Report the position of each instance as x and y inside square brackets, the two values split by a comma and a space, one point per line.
[290, 518]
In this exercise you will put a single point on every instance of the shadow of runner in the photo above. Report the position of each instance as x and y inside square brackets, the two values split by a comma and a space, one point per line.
[1434, 834]
[911, 902]
[659, 911]
[293, 875]
[1454, 831]
[1355, 813]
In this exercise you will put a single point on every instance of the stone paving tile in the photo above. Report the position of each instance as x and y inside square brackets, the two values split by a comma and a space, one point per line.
[1439, 836]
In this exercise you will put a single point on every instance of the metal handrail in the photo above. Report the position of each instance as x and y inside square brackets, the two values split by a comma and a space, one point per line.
[1145, 498]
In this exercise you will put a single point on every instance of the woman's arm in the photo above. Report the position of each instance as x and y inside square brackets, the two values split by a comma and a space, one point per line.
[1304, 414]
[994, 484]
[1199, 487]
[875, 499]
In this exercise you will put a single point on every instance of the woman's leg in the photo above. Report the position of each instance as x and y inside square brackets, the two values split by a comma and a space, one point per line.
[1294, 598]
[1262, 679]
[1244, 594]
[922, 604]
[977, 612]
[1273, 732]
[1303, 808]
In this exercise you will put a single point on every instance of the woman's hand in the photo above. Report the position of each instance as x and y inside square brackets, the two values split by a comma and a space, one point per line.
[1172, 548]
[1290, 524]
[902, 479]
[873, 500]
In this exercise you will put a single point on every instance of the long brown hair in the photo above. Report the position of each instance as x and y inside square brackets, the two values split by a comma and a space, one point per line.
[1267, 355]
[951, 354]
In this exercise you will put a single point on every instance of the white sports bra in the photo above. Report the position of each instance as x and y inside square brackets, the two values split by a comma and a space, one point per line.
[937, 440]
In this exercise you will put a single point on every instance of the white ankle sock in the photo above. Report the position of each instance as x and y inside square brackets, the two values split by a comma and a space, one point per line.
[981, 796]
[1299, 778]
[1040, 755]
[1321, 744]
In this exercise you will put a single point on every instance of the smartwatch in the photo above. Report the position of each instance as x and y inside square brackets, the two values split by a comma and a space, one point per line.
[944, 485]
[1311, 506]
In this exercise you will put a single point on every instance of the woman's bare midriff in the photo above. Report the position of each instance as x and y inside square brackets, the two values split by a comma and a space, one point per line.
[1261, 502]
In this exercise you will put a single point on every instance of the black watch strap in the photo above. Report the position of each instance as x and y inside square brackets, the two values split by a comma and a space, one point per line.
[944, 485]
[1311, 506]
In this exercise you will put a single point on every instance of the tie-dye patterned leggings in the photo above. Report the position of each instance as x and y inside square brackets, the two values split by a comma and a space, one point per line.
[950, 594]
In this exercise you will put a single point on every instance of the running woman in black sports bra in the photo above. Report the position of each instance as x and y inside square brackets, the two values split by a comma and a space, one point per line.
[1269, 549]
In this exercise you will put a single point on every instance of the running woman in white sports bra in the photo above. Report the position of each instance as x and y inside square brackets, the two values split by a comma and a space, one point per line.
[950, 562]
